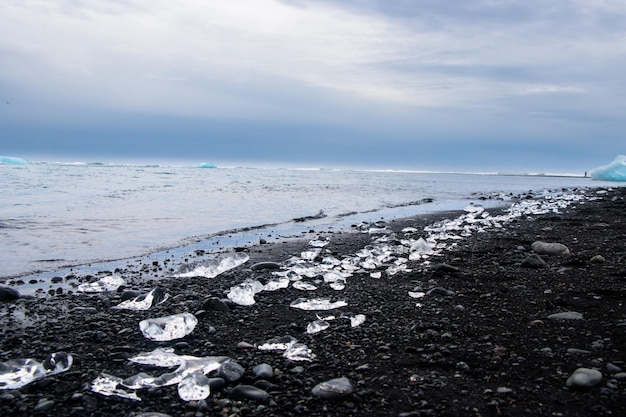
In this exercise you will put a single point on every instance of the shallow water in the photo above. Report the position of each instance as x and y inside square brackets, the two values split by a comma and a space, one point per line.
[55, 215]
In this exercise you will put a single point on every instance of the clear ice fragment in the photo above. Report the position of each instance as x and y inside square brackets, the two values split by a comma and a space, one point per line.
[317, 326]
[277, 343]
[169, 327]
[16, 373]
[317, 304]
[213, 267]
[194, 387]
[376, 275]
[144, 301]
[310, 255]
[109, 385]
[304, 286]
[299, 352]
[276, 284]
[108, 283]
[416, 294]
[243, 294]
[319, 243]
[357, 320]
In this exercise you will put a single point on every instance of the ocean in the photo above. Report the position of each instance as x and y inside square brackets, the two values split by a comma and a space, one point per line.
[58, 215]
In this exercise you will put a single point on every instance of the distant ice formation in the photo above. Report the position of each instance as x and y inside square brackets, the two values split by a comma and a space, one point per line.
[205, 165]
[13, 161]
[615, 171]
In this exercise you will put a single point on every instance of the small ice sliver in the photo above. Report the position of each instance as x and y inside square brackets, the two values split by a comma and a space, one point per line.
[109, 385]
[16, 373]
[167, 328]
[194, 387]
[108, 283]
[317, 304]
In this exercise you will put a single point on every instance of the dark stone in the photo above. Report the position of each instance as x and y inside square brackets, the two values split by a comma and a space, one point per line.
[265, 265]
[249, 392]
[215, 304]
[8, 294]
[535, 262]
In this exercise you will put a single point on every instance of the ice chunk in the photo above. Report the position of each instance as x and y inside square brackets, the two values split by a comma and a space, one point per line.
[317, 304]
[376, 275]
[276, 284]
[144, 301]
[319, 243]
[299, 352]
[194, 387]
[108, 283]
[421, 246]
[357, 320]
[165, 358]
[615, 171]
[109, 385]
[169, 327]
[317, 326]
[13, 161]
[243, 294]
[416, 294]
[16, 373]
[304, 286]
[212, 267]
[310, 255]
[277, 343]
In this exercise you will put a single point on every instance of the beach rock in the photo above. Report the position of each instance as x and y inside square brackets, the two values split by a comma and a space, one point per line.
[8, 294]
[566, 315]
[584, 378]
[259, 266]
[598, 259]
[534, 262]
[440, 291]
[550, 248]
[249, 392]
[333, 389]
[263, 371]
[215, 304]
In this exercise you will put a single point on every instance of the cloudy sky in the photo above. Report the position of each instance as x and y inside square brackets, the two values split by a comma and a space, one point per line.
[421, 84]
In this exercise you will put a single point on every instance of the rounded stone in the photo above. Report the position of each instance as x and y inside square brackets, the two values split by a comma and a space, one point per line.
[333, 389]
[8, 294]
[249, 392]
[584, 378]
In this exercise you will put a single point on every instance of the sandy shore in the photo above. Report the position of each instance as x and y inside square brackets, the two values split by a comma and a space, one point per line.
[481, 339]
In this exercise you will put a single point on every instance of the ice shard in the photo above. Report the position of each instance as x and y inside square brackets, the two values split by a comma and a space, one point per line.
[108, 283]
[109, 385]
[212, 267]
[317, 304]
[169, 327]
[615, 171]
[16, 373]
[243, 294]
[144, 301]
[317, 326]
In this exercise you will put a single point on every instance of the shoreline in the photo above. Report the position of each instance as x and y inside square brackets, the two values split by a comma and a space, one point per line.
[486, 347]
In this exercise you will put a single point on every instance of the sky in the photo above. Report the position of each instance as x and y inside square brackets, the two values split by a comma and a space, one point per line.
[480, 85]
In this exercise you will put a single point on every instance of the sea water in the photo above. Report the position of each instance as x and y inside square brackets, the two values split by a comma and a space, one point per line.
[58, 215]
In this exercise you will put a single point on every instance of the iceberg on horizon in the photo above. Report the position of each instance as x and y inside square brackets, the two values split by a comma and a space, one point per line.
[13, 161]
[615, 171]
[205, 165]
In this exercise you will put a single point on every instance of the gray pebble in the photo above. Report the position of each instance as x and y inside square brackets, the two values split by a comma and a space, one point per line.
[333, 389]
[584, 378]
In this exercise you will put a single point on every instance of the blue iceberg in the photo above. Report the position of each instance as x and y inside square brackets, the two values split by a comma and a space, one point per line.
[615, 171]
[205, 165]
[13, 161]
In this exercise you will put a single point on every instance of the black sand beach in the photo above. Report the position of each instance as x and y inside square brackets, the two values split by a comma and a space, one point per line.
[485, 347]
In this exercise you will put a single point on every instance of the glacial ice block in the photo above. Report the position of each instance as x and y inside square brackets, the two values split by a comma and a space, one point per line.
[615, 171]
[16, 373]
[213, 267]
[108, 283]
[8, 160]
[167, 328]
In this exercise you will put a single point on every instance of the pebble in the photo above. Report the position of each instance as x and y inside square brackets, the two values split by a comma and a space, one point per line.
[598, 259]
[263, 371]
[584, 378]
[215, 304]
[333, 389]
[440, 291]
[249, 392]
[566, 315]
[43, 406]
[265, 265]
[612, 368]
[550, 248]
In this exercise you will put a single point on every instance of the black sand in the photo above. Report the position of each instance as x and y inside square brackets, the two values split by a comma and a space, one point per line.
[489, 349]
